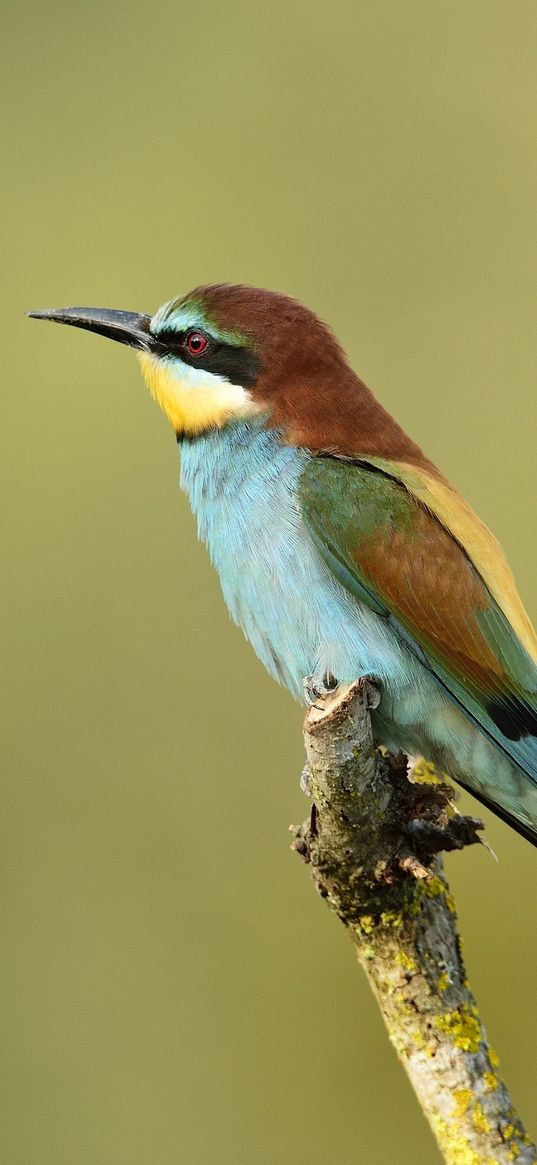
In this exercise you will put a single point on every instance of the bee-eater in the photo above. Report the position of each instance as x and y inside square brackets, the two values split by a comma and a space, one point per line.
[342, 550]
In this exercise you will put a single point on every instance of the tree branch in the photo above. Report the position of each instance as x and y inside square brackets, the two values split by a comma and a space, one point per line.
[373, 840]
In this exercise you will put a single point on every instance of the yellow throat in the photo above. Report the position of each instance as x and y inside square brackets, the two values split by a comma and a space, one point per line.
[194, 400]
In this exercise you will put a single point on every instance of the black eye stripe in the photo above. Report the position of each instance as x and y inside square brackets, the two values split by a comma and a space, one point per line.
[238, 365]
[170, 341]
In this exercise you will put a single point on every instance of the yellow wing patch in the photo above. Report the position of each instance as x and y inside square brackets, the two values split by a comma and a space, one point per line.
[194, 400]
[475, 538]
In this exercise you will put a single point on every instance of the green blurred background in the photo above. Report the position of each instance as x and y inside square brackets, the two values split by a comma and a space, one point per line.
[174, 991]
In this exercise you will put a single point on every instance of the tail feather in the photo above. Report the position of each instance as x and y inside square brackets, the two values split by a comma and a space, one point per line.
[523, 827]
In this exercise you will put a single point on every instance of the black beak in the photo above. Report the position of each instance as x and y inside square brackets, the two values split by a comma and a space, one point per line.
[128, 327]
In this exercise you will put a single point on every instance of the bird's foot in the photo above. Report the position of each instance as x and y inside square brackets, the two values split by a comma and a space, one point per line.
[316, 688]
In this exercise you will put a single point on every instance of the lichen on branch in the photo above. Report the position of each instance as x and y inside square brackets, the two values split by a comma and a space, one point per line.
[373, 840]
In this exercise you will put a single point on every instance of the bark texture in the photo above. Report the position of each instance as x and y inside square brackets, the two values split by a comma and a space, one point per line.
[373, 840]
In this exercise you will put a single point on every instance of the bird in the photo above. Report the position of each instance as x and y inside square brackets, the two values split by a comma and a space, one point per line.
[342, 550]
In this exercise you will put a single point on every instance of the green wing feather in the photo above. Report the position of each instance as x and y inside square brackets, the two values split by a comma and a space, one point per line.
[388, 548]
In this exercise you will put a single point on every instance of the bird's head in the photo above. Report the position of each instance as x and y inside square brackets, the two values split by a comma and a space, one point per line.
[220, 353]
[225, 353]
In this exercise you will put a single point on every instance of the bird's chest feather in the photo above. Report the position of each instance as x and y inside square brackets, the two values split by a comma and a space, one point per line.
[242, 485]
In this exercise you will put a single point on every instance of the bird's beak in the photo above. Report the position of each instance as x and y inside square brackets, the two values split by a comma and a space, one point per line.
[128, 327]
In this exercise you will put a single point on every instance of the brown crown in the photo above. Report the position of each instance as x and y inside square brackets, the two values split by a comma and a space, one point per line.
[305, 380]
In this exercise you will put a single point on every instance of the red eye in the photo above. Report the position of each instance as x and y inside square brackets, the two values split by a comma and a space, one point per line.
[196, 343]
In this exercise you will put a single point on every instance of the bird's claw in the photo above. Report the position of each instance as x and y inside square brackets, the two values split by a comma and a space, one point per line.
[318, 689]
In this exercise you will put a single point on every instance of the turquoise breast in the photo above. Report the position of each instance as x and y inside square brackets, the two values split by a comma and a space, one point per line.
[242, 485]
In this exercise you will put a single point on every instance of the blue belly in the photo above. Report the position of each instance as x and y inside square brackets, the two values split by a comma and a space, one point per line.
[242, 485]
